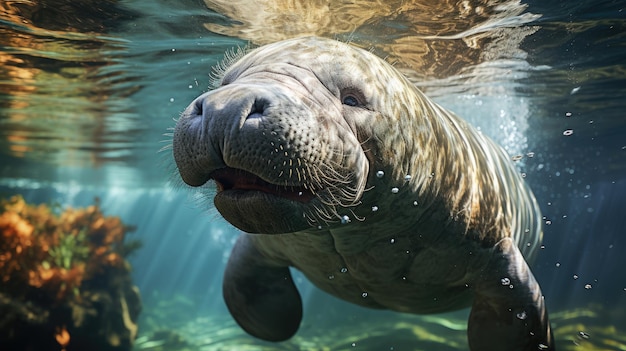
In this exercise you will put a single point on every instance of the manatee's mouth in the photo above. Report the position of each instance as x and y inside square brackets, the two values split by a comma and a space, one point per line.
[233, 179]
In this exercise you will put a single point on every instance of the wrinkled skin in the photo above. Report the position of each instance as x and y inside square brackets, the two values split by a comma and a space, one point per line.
[367, 180]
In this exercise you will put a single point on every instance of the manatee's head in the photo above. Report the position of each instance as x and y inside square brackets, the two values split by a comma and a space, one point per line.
[283, 133]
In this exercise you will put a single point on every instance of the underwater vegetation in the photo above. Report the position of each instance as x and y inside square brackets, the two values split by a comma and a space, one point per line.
[65, 282]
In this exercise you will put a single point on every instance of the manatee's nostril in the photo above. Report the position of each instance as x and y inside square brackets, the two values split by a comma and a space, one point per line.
[257, 108]
[198, 107]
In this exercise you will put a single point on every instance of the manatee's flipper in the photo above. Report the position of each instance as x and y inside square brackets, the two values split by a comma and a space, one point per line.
[261, 297]
[508, 311]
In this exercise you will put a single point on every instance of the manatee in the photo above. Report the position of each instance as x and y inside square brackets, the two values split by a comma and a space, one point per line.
[332, 162]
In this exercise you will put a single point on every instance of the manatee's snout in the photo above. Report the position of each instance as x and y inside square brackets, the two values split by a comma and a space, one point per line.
[218, 130]
[246, 128]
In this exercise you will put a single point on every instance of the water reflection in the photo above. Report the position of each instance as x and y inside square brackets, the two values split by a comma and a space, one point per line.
[64, 92]
[427, 39]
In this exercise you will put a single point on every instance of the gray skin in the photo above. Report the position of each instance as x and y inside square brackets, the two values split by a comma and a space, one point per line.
[334, 163]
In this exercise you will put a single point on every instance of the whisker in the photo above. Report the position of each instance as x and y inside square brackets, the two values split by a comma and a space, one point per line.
[165, 148]
[230, 57]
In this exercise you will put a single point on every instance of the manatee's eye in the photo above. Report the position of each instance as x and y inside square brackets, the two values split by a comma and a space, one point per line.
[350, 100]
[352, 97]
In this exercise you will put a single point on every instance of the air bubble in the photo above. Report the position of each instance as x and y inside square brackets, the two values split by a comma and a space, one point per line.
[415, 203]
[364, 294]
[568, 132]
[575, 276]
[331, 277]
[407, 177]
[343, 270]
[505, 281]
[380, 174]
[394, 190]
[345, 219]
[374, 208]
[583, 335]
[588, 286]
[392, 240]
[521, 315]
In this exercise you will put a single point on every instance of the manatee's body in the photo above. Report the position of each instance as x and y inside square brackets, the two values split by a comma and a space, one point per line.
[337, 165]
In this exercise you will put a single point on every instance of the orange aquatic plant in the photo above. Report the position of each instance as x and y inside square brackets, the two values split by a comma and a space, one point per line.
[47, 248]
[62, 337]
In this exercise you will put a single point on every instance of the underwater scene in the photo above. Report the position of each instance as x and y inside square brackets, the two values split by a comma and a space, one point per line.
[105, 245]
